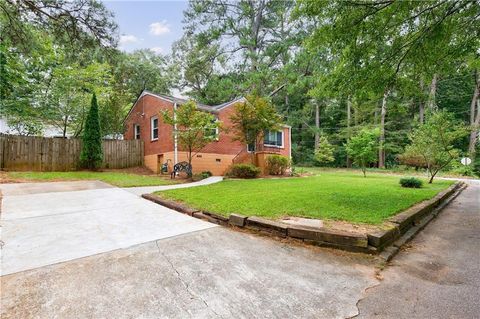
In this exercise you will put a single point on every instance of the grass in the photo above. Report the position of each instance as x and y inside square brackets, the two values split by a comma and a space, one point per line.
[114, 178]
[346, 196]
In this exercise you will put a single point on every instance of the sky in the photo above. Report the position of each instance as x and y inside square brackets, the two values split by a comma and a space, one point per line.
[148, 24]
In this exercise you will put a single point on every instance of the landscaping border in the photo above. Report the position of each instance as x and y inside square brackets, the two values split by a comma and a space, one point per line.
[399, 229]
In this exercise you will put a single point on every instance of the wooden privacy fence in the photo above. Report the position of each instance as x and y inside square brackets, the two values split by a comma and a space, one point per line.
[27, 153]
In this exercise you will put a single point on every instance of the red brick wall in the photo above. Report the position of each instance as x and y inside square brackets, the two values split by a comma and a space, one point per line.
[225, 143]
[151, 106]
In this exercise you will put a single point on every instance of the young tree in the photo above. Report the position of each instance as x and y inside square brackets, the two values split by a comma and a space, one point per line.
[324, 151]
[363, 147]
[194, 128]
[92, 152]
[252, 118]
[434, 142]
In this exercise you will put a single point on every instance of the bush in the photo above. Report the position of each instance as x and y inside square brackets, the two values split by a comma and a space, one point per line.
[411, 182]
[244, 171]
[92, 152]
[200, 176]
[206, 174]
[458, 168]
[277, 164]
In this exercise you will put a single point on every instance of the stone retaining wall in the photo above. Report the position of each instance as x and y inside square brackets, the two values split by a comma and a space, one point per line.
[372, 242]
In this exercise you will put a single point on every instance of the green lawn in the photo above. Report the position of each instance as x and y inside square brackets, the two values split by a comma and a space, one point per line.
[114, 178]
[330, 195]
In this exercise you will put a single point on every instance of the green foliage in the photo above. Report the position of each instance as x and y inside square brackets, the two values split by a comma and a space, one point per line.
[476, 162]
[324, 152]
[78, 23]
[206, 174]
[363, 148]
[243, 171]
[193, 127]
[411, 182]
[92, 152]
[252, 118]
[434, 142]
[277, 164]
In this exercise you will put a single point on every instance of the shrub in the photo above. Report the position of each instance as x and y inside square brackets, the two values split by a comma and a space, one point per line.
[411, 182]
[458, 168]
[202, 175]
[244, 171]
[92, 152]
[277, 164]
[324, 152]
[206, 174]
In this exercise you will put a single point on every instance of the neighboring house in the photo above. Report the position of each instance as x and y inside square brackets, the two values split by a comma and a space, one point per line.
[144, 122]
[47, 131]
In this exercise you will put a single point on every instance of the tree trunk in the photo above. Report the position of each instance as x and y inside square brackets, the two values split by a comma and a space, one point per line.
[432, 105]
[474, 119]
[421, 105]
[349, 120]
[317, 125]
[383, 113]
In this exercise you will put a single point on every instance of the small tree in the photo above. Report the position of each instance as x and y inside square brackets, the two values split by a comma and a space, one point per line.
[194, 128]
[324, 152]
[363, 148]
[433, 142]
[92, 152]
[252, 118]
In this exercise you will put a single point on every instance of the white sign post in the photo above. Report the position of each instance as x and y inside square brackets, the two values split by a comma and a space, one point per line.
[466, 161]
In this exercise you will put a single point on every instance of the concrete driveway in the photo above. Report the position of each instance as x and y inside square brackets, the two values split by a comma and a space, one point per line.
[100, 252]
[47, 223]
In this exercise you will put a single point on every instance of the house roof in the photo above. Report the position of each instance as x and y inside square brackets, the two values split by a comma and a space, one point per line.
[173, 99]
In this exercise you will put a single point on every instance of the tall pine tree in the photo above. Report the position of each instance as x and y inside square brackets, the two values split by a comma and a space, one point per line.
[92, 153]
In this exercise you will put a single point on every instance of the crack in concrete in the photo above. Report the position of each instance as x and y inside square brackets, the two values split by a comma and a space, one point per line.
[184, 283]
[364, 296]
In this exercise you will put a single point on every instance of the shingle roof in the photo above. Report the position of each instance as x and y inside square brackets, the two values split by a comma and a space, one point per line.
[212, 108]
[173, 99]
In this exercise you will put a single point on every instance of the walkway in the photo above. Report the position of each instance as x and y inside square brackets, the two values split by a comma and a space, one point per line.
[150, 189]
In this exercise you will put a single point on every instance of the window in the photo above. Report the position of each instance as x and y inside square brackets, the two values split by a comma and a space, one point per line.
[136, 131]
[154, 128]
[212, 132]
[273, 138]
[250, 148]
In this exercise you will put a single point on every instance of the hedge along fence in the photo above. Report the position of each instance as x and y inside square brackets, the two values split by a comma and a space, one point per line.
[28, 153]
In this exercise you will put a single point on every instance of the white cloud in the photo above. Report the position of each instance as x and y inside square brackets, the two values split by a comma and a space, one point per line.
[157, 50]
[159, 28]
[127, 39]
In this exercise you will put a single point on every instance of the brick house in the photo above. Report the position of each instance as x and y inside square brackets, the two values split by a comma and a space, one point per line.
[144, 122]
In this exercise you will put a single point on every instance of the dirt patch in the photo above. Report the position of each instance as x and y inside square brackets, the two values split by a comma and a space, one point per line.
[6, 179]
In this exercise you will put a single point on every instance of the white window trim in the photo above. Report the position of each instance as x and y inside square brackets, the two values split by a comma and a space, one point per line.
[151, 128]
[135, 126]
[277, 146]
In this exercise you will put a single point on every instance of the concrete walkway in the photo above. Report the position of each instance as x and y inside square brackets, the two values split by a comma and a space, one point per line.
[438, 274]
[48, 223]
[150, 189]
